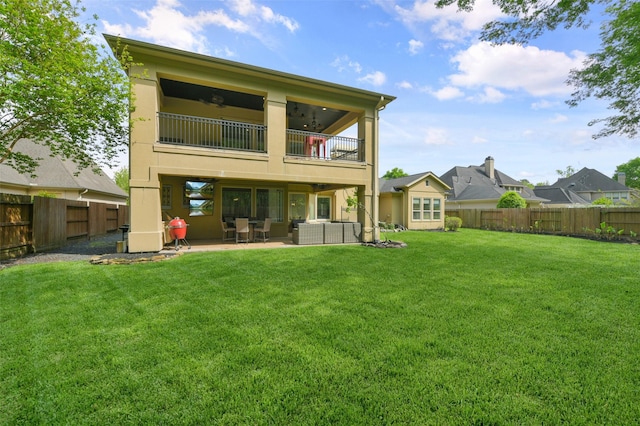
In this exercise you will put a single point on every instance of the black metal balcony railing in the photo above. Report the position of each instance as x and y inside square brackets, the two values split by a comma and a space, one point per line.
[322, 146]
[177, 129]
[204, 132]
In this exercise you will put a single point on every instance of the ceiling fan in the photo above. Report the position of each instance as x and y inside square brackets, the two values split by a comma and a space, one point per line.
[215, 99]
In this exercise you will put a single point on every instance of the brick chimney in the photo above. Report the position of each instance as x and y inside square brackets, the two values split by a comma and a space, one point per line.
[488, 167]
[622, 178]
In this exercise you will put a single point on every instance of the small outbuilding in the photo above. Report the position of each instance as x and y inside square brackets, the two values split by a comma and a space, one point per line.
[414, 202]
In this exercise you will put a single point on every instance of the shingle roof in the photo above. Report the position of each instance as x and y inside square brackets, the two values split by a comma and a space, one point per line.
[472, 183]
[559, 195]
[589, 180]
[53, 172]
[393, 185]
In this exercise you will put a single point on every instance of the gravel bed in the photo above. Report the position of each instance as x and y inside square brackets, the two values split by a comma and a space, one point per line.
[102, 247]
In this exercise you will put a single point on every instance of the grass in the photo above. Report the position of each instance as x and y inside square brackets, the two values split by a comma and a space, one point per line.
[471, 327]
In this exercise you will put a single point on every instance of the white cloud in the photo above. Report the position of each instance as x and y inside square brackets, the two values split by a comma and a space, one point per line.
[404, 85]
[559, 118]
[186, 31]
[491, 95]
[448, 23]
[415, 46]
[511, 67]
[447, 93]
[436, 136]
[376, 78]
[248, 8]
[580, 137]
[344, 62]
[543, 104]
[478, 139]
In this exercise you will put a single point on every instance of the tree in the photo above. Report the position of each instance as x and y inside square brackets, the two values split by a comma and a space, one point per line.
[57, 89]
[631, 169]
[610, 74]
[121, 177]
[394, 173]
[569, 171]
[613, 73]
[526, 183]
[511, 200]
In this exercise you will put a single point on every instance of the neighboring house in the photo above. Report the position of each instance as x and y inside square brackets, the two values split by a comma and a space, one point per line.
[57, 178]
[560, 197]
[590, 185]
[480, 187]
[213, 140]
[415, 202]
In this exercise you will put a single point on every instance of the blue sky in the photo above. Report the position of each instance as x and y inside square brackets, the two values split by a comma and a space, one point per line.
[458, 100]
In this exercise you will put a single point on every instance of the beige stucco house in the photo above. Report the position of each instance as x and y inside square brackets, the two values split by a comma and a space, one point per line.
[414, 202]
[214, 139]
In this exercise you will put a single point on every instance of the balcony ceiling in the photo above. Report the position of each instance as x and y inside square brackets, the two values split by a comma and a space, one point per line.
[301, 116]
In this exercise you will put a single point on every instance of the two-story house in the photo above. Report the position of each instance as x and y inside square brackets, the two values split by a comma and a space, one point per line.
[590, 185]
[214, 140]
[480, 187]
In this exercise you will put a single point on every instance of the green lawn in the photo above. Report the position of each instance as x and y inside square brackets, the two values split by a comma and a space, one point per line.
[472, 327]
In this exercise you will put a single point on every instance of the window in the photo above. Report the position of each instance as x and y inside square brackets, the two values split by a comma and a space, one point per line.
[616, 196]
[416, 209]
[436, 208]
[270, 203]
[236, 202]
[426, 208]
[324, 208]
[297, 206]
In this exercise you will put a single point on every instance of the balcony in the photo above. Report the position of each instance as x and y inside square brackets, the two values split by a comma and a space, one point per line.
[177, 129]
[324, 147]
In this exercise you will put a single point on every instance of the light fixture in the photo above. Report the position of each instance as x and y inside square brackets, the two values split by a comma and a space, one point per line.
[215, 99]
[314, 126]
[296, 112]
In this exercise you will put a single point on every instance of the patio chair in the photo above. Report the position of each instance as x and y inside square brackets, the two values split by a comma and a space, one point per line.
[242, 228]
[265, 230]
[225, 230]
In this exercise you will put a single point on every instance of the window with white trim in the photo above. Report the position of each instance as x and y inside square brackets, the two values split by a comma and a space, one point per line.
[417, 213]
[437, 208]
[426, 208]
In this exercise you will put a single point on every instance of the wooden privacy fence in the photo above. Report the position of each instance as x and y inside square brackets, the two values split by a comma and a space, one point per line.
[29, 224]
[566, 221]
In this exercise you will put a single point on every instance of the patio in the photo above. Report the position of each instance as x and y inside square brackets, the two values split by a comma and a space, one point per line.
[218, 245]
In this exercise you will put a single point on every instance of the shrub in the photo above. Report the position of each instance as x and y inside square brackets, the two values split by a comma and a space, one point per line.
[604, 201]
[452, 223]
[511, 200]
